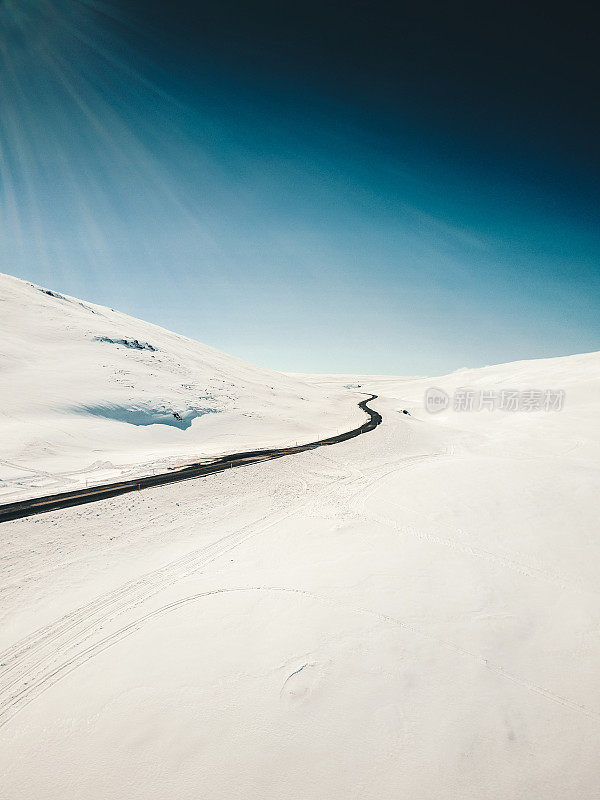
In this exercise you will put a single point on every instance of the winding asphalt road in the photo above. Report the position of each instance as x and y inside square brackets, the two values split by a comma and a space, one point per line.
[38, 505]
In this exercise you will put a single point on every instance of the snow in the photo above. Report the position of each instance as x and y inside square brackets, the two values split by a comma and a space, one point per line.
[412, 613]
[90, 395]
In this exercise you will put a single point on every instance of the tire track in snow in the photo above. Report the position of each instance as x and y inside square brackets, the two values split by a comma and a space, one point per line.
[49, 678]
[23, 663]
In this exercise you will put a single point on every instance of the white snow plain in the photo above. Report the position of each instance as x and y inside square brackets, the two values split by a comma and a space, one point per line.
[412, 613]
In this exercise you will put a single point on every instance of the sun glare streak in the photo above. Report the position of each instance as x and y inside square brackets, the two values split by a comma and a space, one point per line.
[87, 142]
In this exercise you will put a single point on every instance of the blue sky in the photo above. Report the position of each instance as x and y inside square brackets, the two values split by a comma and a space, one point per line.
[293, 226]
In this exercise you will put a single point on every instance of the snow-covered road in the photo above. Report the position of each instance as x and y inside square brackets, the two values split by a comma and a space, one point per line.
[210, 466]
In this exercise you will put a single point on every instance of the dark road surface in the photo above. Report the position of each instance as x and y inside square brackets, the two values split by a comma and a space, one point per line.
[39, 505]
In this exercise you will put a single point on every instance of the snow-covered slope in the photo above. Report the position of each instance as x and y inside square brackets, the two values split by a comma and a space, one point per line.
[88, 393]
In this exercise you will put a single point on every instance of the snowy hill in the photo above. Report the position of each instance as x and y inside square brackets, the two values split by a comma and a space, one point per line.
[90, 394]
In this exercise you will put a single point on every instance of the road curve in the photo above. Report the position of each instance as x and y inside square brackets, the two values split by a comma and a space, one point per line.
[53, 502]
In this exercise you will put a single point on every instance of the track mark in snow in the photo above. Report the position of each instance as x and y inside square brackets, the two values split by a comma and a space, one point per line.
[48, 679]
[28, 661]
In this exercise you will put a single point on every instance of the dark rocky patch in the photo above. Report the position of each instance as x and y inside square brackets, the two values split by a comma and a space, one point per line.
[134, 344]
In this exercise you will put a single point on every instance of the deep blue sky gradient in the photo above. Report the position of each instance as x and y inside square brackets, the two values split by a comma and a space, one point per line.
[341, 188]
